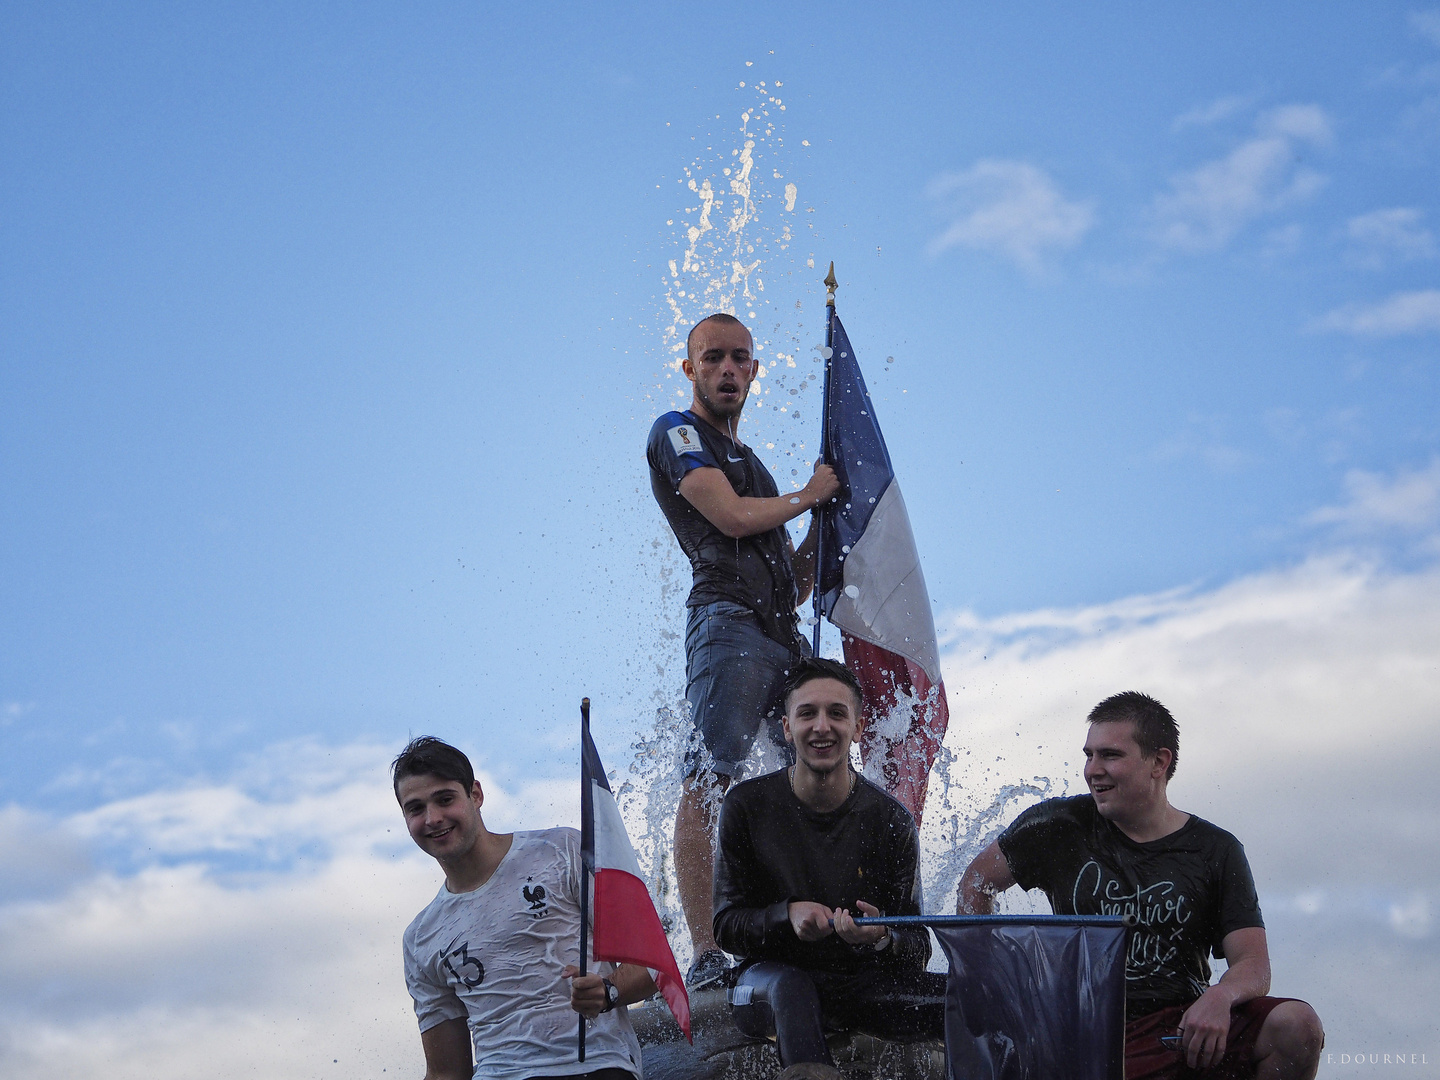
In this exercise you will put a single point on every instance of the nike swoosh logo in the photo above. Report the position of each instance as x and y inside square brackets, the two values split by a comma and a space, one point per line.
[729, 458]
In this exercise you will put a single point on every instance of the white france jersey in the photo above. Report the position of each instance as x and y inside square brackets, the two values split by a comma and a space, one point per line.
[493, 957]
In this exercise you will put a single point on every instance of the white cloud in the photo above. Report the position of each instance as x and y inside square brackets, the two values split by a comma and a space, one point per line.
[1284, 242]
[1269, 662]
[1208, 206]
[1204, 438]
[1408, 501]
[1427, 25]
[1010, 208]
[1415, 312]
[1307, 123]
[189, 966]
[10, 711]
[1383, 236]
[1306, 699]
[40, 857]
[1216, 111]
[1411, 917]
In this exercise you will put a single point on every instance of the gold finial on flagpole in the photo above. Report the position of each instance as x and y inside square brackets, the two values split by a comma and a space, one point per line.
[830, 286]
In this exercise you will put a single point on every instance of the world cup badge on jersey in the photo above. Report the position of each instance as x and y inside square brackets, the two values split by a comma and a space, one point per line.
[686, 440]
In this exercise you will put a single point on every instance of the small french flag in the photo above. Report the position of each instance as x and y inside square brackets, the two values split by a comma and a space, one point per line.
[627, 928]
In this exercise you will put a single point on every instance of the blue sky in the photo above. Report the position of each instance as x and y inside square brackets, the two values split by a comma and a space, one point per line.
[331, 336]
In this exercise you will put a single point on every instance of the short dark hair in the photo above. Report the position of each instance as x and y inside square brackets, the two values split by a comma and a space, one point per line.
[1155, 728]
[721, 317]
[429, 756]
[811, 668]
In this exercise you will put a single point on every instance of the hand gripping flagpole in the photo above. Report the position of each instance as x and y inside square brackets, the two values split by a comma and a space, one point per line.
[587, 824]
[830, 286]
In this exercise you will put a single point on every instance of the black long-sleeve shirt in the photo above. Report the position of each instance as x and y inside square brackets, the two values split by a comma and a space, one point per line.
[774, 850]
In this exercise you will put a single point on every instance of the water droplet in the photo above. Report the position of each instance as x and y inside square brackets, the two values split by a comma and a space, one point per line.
[851, 591]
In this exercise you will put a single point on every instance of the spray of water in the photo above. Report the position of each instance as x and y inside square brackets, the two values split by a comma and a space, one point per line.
[744, 243]
[734, 247]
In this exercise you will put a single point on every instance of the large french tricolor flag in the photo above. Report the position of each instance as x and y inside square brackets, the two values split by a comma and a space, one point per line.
[627, 928]
[871, 587]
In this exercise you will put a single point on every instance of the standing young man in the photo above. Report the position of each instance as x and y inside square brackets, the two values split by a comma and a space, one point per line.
[1123, 849]
[803, 851]
[487, 962]
[741, 635]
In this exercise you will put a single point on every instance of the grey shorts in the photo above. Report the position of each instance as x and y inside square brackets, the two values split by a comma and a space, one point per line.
[735, 678]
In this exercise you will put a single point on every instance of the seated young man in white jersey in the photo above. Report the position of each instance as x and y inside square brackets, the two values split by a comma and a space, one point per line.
[492, 962]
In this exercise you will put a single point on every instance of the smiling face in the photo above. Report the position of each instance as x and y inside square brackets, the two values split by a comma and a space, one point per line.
[1125, 783]
[443, 819]
[822, 719]
[721, 366]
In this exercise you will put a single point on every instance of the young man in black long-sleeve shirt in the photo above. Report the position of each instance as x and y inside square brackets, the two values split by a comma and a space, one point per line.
[802, 852]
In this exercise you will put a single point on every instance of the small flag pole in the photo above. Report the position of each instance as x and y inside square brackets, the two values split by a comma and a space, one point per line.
[830, 286]
[587, 845]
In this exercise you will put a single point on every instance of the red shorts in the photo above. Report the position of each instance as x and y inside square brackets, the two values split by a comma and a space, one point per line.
[1147, 1059]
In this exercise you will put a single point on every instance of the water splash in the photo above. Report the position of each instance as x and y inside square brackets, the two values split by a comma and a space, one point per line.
[651, 791]
[736, 246]
[737, 232]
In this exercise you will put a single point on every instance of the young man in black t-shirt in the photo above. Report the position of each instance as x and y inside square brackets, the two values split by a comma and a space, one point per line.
[740, 637]
[1124, 850]
[802, 852]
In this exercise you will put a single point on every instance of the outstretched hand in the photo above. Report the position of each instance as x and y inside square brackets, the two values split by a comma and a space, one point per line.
[811, 921]
[859, 935]
[587, 992]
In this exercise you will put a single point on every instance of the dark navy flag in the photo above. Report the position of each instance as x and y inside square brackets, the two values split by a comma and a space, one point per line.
[871, 587]
[1035, 1002]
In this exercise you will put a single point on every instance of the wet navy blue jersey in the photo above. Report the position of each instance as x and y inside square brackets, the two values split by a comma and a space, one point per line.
[753, 571]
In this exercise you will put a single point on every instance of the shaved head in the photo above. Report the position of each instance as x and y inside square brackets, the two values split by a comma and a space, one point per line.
[719, 317]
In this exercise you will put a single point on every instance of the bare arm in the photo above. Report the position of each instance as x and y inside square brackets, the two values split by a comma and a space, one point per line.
[708, 491]
[447, 1051]
[1205, 1027]
[984, 879]
[587, 992]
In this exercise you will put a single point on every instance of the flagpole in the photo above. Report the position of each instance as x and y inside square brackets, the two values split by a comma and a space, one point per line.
[587, 823]
[830, 286]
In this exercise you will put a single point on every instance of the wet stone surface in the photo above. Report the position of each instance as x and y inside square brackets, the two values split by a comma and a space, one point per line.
[720, 1052]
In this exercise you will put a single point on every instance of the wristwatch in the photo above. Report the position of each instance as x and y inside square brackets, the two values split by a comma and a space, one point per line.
[612, 995]
[884, 942]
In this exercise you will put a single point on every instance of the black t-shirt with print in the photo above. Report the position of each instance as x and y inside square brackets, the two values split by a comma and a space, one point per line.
[753, 571]
[1188, 890]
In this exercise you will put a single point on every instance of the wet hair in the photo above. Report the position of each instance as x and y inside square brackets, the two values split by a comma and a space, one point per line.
[1155, 728]
[428, 756]
[811, 668]
[720, 317]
